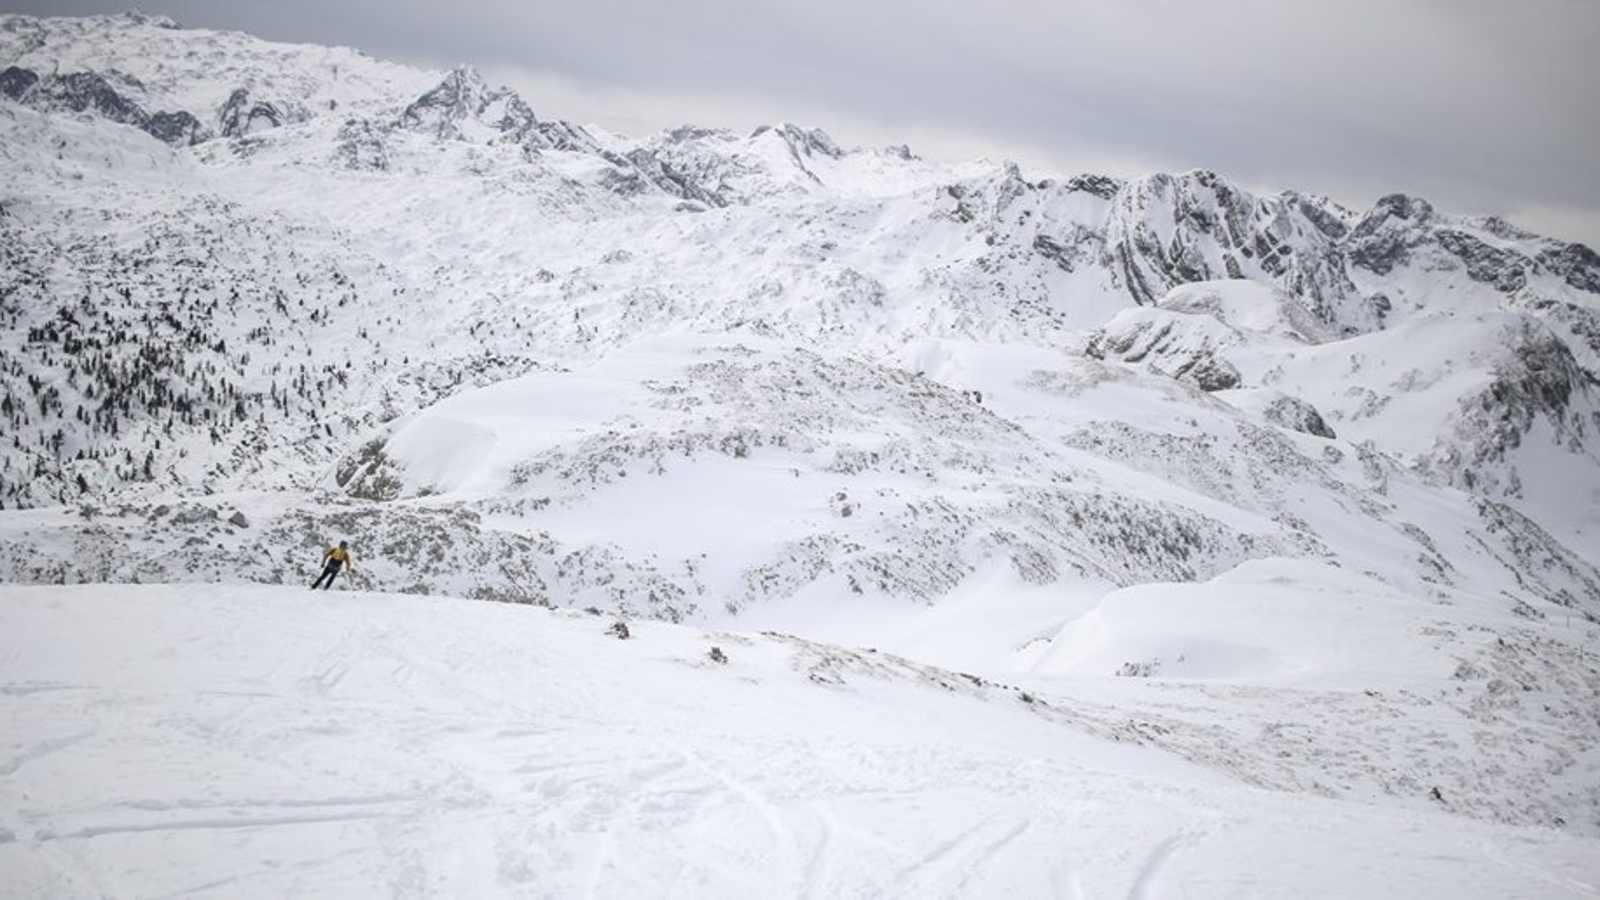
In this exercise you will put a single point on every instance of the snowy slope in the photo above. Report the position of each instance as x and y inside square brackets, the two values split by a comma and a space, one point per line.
[376, 195]
[1493, 401]
[1302, 500]
[264, 742]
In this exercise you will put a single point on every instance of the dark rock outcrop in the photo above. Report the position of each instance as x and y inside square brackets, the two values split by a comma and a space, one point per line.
[89, 92]
[1540, 381]
[1504, 269]
[803, 142]
[1578, 265]
[1297, 415]
[1384, 237]
[85, 92]
[240, 115]
[178, 129]
[1102, 186]
[14, 81]
[463, 96]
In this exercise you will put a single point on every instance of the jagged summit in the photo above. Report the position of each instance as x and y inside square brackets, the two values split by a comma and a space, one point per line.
[464, 100]
[139, 17]
[803, 141]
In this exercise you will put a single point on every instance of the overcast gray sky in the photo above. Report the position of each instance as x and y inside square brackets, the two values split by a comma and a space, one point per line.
[1486, 106]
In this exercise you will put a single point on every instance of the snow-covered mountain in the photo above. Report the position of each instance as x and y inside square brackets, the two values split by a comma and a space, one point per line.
[1314, 490]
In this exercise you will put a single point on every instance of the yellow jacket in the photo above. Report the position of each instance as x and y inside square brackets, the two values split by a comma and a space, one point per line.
[338, 554]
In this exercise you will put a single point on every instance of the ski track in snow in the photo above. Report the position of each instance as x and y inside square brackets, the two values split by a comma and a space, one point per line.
[483, 749]
[41, 749]
[1145, 884]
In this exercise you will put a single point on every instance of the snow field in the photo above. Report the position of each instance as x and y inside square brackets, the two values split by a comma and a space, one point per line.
[253, 741]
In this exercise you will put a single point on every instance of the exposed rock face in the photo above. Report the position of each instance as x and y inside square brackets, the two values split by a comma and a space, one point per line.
[718, 168]
[1384, 236]
[1219, 231]
[368, 474]
[89, 92]
[1504, 269]
[241, 115]
[178, 129]
[1541, 382]
[642, 169]
[1208, 373]
[561, 135]
[458, 97]
[464, 100]
[85, 92]
[1316, 250]
[1102, 186]
[1068, 253]
[14, 82]
[1578, 265]
[802, 142]
[1298, 415]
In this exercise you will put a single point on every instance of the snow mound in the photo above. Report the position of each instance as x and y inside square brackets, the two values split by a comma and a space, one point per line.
[1251, 307]
[1184, 346]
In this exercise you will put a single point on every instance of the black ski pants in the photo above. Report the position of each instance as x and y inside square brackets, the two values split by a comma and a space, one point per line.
[328, 571]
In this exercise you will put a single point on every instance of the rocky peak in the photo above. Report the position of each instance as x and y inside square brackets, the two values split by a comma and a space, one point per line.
[461, 94]
[1329, 218]
[985, 201]
[685, 133]
[803, 142]
[1385, 236]
[1391, 210]
[463, 97]
[136, 17]
[1405, 206]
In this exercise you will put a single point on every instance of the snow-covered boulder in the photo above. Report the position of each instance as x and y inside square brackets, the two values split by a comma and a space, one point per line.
[1296, 415]
[1184, 346]
[1188, 336]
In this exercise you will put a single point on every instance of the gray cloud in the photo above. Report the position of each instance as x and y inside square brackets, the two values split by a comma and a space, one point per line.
[1481, 106]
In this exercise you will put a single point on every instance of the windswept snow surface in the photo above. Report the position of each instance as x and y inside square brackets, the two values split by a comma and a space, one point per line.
[268, 742]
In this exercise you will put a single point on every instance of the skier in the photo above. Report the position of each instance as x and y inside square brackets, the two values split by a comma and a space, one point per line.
[335, 559]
